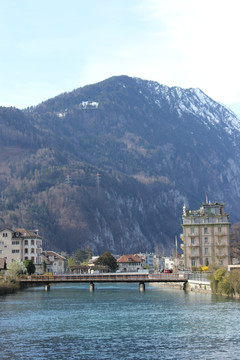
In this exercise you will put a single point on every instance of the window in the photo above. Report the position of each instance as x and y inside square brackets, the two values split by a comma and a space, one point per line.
[193, 252]
[26, 242]
[205, 230]
[5, 234]
[219, 229]
[192, 241]
[220, 241]
[26, 258]
[221, 262]
[1, 243]
[1, 252]
[32, 258]
[32, 242]
[206, 251]
[192, 231]
[206, 240]
[26, 251]
[15, 242]
[193, 263]
[15, 251]
[32, 250]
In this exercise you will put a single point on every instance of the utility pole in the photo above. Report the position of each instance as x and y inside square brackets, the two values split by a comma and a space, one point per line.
[68, 179]
[176, 257]
[176, 245]
[98, 180]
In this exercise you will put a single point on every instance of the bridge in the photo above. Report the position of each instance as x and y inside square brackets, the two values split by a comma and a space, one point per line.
[140, 278]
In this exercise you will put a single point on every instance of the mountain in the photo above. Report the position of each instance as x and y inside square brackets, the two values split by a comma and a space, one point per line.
[111, 164]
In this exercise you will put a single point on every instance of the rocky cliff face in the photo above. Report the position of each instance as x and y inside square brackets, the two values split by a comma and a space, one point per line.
[110, 165]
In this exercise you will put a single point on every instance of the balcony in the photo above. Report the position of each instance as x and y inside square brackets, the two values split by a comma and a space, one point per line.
[220, 246]
[222, 256]
[193, 245]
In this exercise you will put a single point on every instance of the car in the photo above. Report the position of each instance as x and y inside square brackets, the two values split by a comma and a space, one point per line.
[166, 271]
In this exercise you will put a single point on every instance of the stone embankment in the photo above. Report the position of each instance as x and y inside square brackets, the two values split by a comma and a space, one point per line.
[198, 286]
[197, 282]
[191, 285]
[177, 286]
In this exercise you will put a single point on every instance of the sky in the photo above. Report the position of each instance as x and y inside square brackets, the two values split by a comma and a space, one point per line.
[48, 47]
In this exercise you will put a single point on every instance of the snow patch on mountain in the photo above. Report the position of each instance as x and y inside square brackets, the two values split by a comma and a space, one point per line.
[195, 102]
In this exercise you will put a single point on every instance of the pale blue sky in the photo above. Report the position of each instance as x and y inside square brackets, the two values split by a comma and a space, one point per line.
[52, 46]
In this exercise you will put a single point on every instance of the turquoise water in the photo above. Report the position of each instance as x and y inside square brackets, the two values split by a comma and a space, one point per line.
[118, 322]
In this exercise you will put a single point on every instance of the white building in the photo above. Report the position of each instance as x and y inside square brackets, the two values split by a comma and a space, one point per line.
[169, 263]
[128, 263]
[55, 263]
[20, 244]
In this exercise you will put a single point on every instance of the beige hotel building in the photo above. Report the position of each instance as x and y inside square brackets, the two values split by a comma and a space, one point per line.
[206, 236]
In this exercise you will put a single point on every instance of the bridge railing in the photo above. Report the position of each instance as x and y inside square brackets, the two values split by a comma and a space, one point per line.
[168, 276]
[106, 277]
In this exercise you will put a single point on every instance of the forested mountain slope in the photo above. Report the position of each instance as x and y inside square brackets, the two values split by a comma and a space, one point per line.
[111, 164]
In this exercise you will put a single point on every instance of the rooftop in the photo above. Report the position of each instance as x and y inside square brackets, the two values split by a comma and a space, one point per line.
[129, 259]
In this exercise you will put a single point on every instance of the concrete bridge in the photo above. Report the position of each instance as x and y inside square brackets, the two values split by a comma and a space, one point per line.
[103, 278]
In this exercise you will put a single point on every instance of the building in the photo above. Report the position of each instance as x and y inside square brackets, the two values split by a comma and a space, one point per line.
[55, 263]
[169, 263]
[20, 244]
[129, 263]
[158, 263]
[147, 259]
[92, 261]
[206, 239]
[2, 264]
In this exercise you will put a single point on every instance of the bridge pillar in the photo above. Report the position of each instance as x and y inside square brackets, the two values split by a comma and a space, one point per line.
[47, 287]
[141, 286]
[91, 286]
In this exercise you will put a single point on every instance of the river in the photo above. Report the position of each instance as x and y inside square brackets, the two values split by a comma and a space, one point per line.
[117, 322]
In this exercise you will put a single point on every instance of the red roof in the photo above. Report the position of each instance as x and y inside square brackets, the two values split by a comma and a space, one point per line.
[129, 259]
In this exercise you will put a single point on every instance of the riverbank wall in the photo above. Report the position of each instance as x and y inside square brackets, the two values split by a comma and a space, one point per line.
[192, 285]
[198, 286]
[177, 286]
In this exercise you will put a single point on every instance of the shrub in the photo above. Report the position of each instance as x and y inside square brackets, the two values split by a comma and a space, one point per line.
[225, 287]
[228, 284]
[219, 274]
